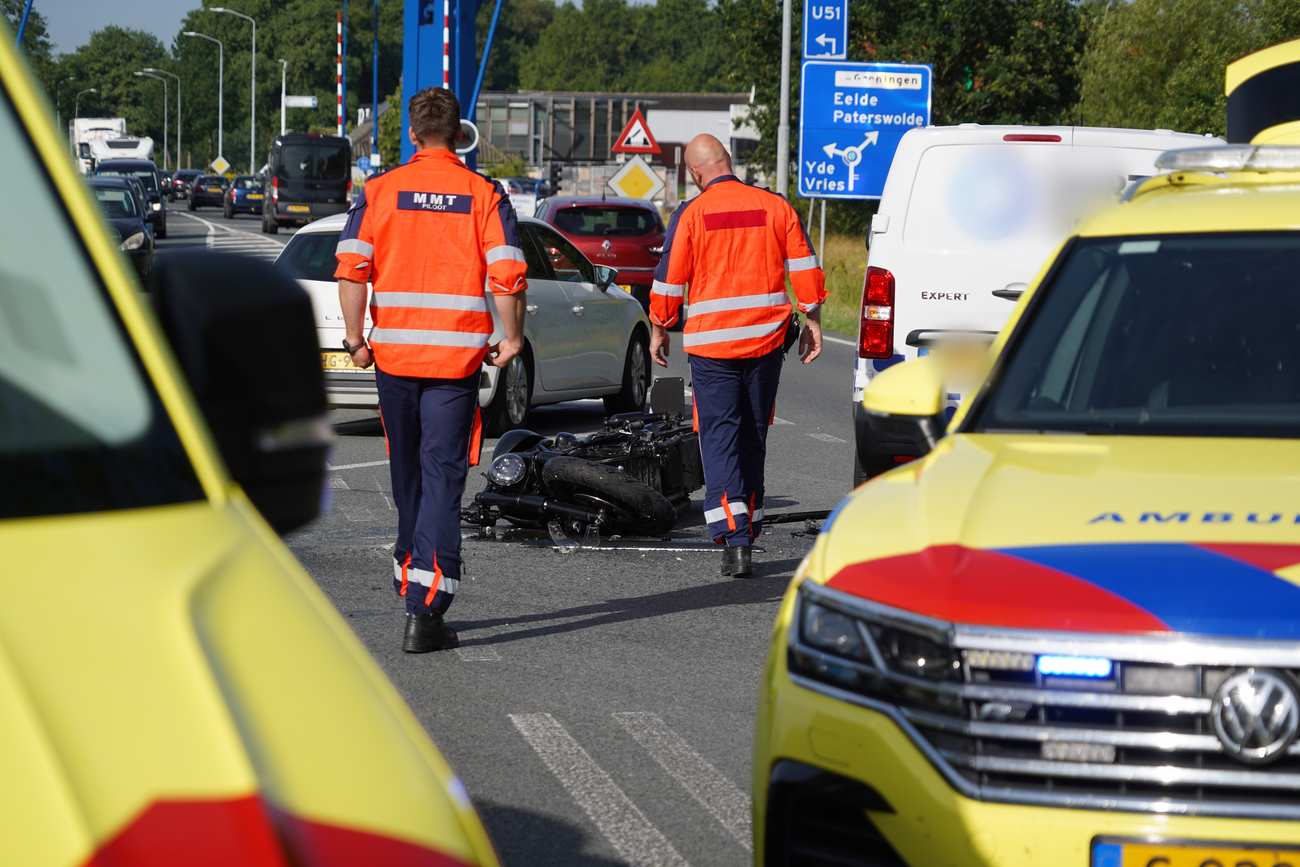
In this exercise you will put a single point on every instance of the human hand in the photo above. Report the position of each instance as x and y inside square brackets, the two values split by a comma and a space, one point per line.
[659, 345]
[501, 354]
[363, 357]
[810, 341]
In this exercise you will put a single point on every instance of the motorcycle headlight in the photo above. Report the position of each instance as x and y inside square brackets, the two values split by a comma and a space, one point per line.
[133, 241]
[507, 470]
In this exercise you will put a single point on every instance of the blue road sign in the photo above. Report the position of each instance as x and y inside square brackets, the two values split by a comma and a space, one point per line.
[851, 117]
[825, 29]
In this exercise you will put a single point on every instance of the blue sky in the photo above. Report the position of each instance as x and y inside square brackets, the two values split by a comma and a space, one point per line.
[71, 21]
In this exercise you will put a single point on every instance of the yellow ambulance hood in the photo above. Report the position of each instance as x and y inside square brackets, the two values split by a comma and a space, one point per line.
[1103, 534]
[175, 690]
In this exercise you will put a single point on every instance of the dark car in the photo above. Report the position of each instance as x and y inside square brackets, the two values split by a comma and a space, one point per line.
[182, 180]
[245, 196]
[310, 177]
[147, 174]
[627, 234]
[125, 210]
[208, 190]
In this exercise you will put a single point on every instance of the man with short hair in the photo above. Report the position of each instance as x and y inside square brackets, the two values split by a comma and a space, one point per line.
[427, 235]
[733, 246]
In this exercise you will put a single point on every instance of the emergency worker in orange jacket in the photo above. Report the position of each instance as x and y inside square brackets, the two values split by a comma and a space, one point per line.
[429, 235]
[726, 257]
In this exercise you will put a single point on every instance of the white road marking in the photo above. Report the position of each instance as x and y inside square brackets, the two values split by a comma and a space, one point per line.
[339, 484]
[478, 654]
[840, 340]
[357, 466]
[778, 420]
[626, 828]
[230, 239]
[706, 784]
[826, 438]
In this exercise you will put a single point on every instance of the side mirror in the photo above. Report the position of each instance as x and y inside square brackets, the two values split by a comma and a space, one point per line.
[905, 408]
[605, 277]
[246, 339]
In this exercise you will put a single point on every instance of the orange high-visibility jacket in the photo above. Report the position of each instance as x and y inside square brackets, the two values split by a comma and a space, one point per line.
[732, 245]
[426, 235]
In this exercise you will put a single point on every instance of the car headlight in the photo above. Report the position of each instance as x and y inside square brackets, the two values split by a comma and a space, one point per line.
[507, 470]
[157, 206]
[134, 241]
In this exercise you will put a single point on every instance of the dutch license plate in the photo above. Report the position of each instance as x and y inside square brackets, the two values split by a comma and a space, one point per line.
[1111, 853]
[300, 209]
[255, 195]
[214, 189]
[337, 361]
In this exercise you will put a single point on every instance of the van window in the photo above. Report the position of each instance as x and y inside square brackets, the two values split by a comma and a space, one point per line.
[317, 161]
[973, 196]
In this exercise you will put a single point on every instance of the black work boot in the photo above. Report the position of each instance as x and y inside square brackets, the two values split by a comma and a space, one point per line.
[736, 562]
[427, 632]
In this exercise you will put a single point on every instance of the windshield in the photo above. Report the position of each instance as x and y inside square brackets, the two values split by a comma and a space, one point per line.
[212, 181]
[310, 256]
[1184, 335]
[248, 183]
[147, 178]
[116, 203]
[319, 161]
[81, 428]
[606, 221]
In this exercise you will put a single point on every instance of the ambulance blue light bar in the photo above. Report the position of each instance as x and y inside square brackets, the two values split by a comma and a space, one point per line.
[1074, 666]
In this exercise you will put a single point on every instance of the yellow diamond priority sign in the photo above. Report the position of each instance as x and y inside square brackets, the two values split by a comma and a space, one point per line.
[220, 166]
[636, 180]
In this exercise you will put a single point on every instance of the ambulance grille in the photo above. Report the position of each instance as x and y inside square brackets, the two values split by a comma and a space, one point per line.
[1141, 738]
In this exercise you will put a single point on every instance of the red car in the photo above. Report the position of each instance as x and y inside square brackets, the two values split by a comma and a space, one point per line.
[627, 234]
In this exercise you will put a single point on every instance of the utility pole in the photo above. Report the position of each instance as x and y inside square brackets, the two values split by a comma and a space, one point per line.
[339, 73]
[179, 149]
[221, 76]
[783, 127]
[252, 90]
[143, 74]
[374, 80]
[284, 72]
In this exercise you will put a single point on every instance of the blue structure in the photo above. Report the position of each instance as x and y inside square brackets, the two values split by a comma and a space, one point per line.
[422, 53]
[825, 29]
[851, 118]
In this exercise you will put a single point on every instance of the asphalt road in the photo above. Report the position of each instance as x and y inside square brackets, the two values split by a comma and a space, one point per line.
[600, 707]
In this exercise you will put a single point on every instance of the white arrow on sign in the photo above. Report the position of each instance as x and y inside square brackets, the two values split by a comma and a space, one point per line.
[851, 156]
[822, 39]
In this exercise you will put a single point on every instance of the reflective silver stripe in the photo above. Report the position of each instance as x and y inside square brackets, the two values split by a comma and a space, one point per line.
[719, 335]
[417, 337]
[804, 264]
[424, 578]
[397, 571]
[355, 245]
[430, 301]
[668, 290]
[497, 254]
[758, 515]
[736, 302]
[712, 516]
[809, 308]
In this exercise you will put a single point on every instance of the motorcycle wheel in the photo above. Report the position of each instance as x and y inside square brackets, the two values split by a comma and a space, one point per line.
[647, 512]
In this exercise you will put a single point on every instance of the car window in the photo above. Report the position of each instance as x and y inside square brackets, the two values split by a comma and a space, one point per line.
[538, 266]
[315, 161]
[146, 177]
[248, 183]
[310, 256]
[116, 203]
[212, 181]
[81, 428]
[606, 221]
[1191, 335]
[567, 263]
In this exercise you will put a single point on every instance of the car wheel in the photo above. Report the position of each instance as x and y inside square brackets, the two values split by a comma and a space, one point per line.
[269, 225]
[636, 378]
[510, 405]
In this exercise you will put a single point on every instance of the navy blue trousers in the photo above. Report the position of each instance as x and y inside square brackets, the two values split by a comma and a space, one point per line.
[734, 403]
[430, 424]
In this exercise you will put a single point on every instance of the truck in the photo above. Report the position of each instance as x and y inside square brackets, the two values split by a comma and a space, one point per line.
[94, 139]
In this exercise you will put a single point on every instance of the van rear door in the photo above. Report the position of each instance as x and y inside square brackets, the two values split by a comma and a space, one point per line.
[313, 172]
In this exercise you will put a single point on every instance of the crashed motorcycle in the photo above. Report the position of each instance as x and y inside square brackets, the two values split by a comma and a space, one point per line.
[633, 477]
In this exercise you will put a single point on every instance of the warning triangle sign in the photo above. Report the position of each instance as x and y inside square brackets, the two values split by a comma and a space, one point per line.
[636, 137]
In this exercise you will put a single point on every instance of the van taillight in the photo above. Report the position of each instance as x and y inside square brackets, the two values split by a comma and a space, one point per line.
[275, 189]
[876, 333]
[1031, 136]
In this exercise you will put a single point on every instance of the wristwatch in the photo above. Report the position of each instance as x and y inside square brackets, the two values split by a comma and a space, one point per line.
[350, 349]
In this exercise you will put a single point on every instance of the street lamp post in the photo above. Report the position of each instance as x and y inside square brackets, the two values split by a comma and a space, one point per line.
[166, 123]
[221, 74]
[252, 87]
[284, 73]
[172, 75]
[76, 101]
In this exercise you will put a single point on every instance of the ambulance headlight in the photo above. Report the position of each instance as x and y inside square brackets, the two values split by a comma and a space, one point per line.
[507, 470]
[134, 241]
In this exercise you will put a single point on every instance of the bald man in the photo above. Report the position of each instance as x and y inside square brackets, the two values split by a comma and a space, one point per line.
[726, 257]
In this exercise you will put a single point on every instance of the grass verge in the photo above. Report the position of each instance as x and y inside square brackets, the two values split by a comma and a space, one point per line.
[845, 264]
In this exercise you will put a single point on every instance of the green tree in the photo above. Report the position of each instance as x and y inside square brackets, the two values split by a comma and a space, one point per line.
[390, 130]
[36, 45]
[517, 29]
[108, 62]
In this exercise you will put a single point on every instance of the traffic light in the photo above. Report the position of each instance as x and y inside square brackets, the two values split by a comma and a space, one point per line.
[556, 172]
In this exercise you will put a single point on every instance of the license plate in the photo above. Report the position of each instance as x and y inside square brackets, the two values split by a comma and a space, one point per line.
[214, 189]
[1111, 853]
[300, 209]
[337, 361]
[255, 195]
[626, 287]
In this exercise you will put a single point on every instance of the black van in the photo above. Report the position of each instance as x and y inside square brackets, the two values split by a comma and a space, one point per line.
[309, 177]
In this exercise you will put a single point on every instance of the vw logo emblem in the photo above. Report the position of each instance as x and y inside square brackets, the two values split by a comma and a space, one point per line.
[1256, 716]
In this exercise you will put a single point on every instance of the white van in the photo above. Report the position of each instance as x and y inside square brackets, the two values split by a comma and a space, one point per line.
[968, 216]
